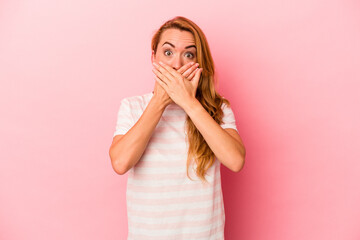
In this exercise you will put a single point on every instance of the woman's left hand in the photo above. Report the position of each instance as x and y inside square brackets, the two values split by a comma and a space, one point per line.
[179, 89]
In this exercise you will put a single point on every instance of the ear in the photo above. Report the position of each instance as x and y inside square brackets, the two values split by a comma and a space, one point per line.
[152, 56]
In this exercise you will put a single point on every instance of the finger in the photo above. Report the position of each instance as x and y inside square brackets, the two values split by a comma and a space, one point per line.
[158, 80]
[191, 71]
[160, 75]
[193, 74]
[169, 72]
[163, 73]
[198, 73]
[185, 67]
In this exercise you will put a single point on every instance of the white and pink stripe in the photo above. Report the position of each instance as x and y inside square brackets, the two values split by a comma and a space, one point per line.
[162, 202]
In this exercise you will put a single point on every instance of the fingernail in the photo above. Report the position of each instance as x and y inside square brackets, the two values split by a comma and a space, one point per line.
[155, 64]
[161, 62]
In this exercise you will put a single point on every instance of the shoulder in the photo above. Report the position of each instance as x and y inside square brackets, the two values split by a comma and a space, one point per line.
[228, 118]
[137, 100]
[226, 107]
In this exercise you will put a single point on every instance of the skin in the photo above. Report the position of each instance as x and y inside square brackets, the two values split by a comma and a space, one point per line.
[225, 143]
[176, 81]
[180, 58]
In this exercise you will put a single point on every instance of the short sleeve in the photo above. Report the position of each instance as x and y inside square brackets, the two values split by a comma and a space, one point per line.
[228, 118]
[124, 118]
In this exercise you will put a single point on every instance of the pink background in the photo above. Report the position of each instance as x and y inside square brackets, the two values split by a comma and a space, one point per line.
[289, 68]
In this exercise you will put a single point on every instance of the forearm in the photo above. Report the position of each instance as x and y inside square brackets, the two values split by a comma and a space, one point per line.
[225, 147]
[128, 150]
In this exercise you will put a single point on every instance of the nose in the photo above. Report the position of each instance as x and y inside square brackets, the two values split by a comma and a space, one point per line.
[177, 62]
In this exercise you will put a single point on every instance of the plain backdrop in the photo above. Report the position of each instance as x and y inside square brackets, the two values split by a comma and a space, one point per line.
[290, 69]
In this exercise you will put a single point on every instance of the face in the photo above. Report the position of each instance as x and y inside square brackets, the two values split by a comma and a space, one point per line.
[176, 48]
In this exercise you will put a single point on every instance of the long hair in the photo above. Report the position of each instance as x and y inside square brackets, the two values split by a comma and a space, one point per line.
[206, 94]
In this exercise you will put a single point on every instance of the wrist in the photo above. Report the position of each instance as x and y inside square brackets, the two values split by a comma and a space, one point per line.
[191, 105]
[159, 103]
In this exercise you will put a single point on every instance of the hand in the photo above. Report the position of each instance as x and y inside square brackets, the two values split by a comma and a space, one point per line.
[175, 84]
[188, 71]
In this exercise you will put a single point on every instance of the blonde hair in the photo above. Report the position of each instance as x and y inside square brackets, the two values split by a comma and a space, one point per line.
[206, 94]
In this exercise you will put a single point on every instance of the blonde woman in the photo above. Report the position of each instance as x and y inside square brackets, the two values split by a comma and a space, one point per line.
[171, 142]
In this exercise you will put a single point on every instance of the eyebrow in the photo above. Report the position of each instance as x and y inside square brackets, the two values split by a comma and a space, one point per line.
[174, 46]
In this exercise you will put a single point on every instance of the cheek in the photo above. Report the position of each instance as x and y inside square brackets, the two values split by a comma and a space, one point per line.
[164, 59]
[193, 59]
[159, 56]
[187, 60]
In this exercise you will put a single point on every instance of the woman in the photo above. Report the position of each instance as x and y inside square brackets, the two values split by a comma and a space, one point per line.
[184, 122]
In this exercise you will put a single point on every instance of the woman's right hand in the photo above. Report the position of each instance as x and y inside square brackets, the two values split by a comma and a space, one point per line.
[187, 70]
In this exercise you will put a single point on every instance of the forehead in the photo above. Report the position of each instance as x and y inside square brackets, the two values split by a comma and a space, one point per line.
[177, 37]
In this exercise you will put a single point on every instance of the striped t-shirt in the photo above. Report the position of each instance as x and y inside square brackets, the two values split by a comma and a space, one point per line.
[162, 202]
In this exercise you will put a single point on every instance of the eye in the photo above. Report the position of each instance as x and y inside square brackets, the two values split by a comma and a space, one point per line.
[166, 52]
[191, 55]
